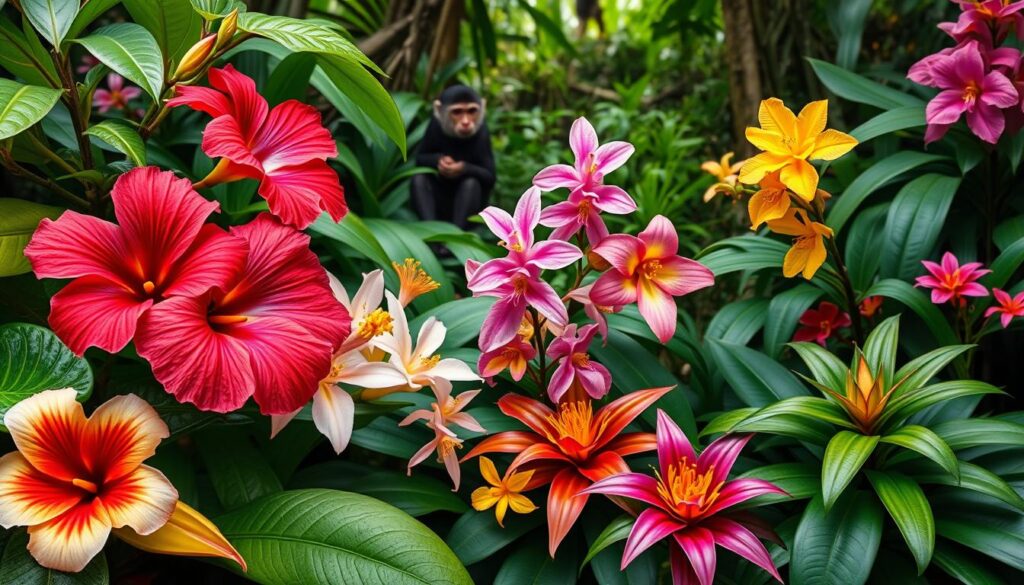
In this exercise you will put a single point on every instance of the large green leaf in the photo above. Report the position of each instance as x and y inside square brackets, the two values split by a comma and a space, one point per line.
[972, 432]
[122, 136]
[129, 49]
[880, 349]
[918, 302]
[756, 379]
[239, 472]
[799, 480]
[912, 226]
[617, 530]
[890, 121]
[352, 232]
[878, 175]
[24, 58]
[824, 365]
[173, 23]
[849, 85]
[366, 93]
[962, 566]
[927, 443]
[476, 535]
[998, 542]
[303, 36]
[33, 359]
[532, 564]
[214, 9]
[21, 106]
[784, 311]
[977, 479]
[838, 546]
[462, 319]
[918, 371]
[910, 511]
[916, 401]
[90, 11]
[318, 536]
[17, 567]
[18, 221]
[863, 240]
[738, 322]
[800, 406]
[743, 253]
[52, 18]
[844, 456]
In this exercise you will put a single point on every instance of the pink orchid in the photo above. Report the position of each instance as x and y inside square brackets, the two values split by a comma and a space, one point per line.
[593, 311]
[588, 195]
[968, 86]
[515, 279]
[1008, 306]
[687, 497]
[513, 356]
[575, 370]
[117, 97]
[952, 281]
[986, 15]
[647, 270]
[444, 413]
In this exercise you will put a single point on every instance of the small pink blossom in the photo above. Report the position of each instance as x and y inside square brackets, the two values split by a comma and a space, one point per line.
[575, 367]
[950, 280]
[595, 312]
[1008, 307]
[443, 414]
[981, 17]
[118, 95]
[514, 356]
[588, 195]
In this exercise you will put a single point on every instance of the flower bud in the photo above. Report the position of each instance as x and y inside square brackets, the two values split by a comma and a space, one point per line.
[227, 29]
[196, 57]
[597, 262]
[187, 533]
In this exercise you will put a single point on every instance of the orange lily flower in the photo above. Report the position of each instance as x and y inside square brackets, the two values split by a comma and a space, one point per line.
[808, 251]
[790, 142]
[726, 174]
[770, 202]
[571, 448]
[74, 478]
[505, 492]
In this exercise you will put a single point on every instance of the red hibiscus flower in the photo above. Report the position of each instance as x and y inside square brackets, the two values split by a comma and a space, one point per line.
[284, 148]
[270, 335]
[160, 250]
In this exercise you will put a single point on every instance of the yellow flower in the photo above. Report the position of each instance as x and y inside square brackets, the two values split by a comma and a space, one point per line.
[789, 142]
[505, 493]
[725, 173]
[770, 202]
[413, 281]
[808, 251]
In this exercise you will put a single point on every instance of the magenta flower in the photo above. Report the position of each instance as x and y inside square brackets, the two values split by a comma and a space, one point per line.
[575, 370]
[983, 16]
[118, 95]
[817, 325]
[968, 86]
[1008, 306]
[594, 312]
[515, 279]
[952, 281]
[646, 270]
[588, 195]
[687, 497]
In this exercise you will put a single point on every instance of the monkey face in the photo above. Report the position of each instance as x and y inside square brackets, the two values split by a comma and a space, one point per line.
[464, 118]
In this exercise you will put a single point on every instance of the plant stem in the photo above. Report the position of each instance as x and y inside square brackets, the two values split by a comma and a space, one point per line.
[45, 151]
[19, 171]
[74, 107]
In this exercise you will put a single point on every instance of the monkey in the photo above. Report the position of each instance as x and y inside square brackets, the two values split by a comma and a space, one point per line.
[585, 11]
[457, 144]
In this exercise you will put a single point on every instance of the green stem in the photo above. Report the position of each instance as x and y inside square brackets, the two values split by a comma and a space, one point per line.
[19, 171]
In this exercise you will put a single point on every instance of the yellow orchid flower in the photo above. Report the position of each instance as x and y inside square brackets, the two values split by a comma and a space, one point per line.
[789, 142]
[504, 494]
[808, 251]
[726, 174]
[770, 202]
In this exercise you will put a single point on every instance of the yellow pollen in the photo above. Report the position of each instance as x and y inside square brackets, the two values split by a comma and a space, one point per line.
[651, 268]
[85, 485]
[228, 319]
[684, 486]
[520, 284]
[376, 323]
[583, 211]
[574, 420]
[581, 360]
[413, 280]
[429, 362]
[447, 446]
[971, 92]
[149, 287]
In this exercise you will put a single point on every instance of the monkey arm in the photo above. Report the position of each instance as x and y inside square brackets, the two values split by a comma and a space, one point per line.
[482, 169]
[430, 153]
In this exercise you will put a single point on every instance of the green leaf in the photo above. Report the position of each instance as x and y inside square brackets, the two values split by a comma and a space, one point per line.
[1004, 266]
[52, 18]
[352, 232]
[973, 432]
[927, 443]
[462, 319]
[918, 302]
[962, 567]
[476, 535]
[743, 253]
[997, 542]
[532, 564]
[415, 495]
[90, 11]
[799, 480]
[738, 321]
[129, 49]
[400, 243]
[290, 79]
[17, 567]
[844, 456]
[727, 420]
[977, 479]
[912, 226]
[616, 531]
[756, 379]
[853, 87]
[880, 349]
[239, 472]
[550, 27]
[303, 536]
[367, 94]
[214, 9]
[911, 403]
[18, 221]
[303, 36]
[800, 406]
[918, 371]
[824, 366]
[890, 121]
[910, 511]
[837, 546]
[784, 312]
[878, 175]
[24, 58]
[862, 242]
[122, 136]
[173, 23]
[33, 359]
[21, 106]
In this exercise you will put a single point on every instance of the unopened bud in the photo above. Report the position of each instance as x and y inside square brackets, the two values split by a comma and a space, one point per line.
[597, 262]
[196, 57]
[227, 29]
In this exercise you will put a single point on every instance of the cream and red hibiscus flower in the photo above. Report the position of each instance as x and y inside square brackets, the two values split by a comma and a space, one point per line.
[74, 478]
[571, 448]
[270, 334]
[688, 498]
[159, 250]
[284, 148]
[648, 271]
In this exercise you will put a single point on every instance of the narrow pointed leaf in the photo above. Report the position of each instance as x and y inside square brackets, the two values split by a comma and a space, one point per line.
[913, 402]
[826, 368]
[977, 479]
[918, 371]
[910, 511]
[844, 456]
[923, 441]
[880, 349]
[616, 531]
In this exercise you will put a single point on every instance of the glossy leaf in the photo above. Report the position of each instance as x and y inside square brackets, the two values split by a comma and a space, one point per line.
[920, 370]
[914, 221]
[33, 359]
[910, 511]
[973, 432]
[738, 322]
[17, 567]
[961, 566]
[923, 441]
[130, 50]
[755, 378]
[25, 58]
[801, 406]
[824, 365]
[1002, 544]
[532, 564]
[21, 106]
[888, 122]
[880, 349]
[122, 136]
[799, 480]
[18, 221]
[878, 175]
[743, 253]
[303, 36]
[52, 18]
[239, 472]
[838, 546]
[89, 12]
[308, 536]
[476, 535]
[214, 9]
[616, 531]
[918, 302]
[844, 456]
[853, 87]
[911, 403]
[366, 93]
[173, 23]
[784, 312]
[863, 240]
[977, 479]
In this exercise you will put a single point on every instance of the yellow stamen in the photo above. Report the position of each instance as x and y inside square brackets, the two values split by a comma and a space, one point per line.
[429, 362]
[583, 211]
[684, 487]
[525, 329]
[85, 485]
[227, 319]
[446, 446]
[574, 420]
[650, 268]
[414, 281]
[520, 284]
[149, 287]
[581, 360]
[376, 323]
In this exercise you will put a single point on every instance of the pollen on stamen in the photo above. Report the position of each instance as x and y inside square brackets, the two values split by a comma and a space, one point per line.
[413, 280]
[376, 323]
[227, 319]
[429, 362]
[149, 287]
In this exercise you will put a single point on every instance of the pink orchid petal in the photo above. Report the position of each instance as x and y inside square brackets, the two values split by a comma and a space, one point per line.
[720, 455]
[502, 322]
[499, 222]
[660, 237]
[680, 276]
[673, 444]
[973, 289]
[658, 308]
[560, 214]
[527, 216]
[733, 536]
[623, 252]
[637, 486]
[582, 140]
[554, 254]
[597, 231]
[542, 297]
[556, 176]
[987, 122]
[946, 107]
[595, 379]
[651, 527]
[491, 274]
[612, 199]
[997, 90]
[739, 491]
[612, 155]
[699, 545]
[613, 289]
[560, 381]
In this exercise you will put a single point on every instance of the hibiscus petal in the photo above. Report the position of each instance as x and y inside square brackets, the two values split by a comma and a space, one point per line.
[287, 362]
[47, 429]
[651, 526]
[565, 503]
[582, 140]
[660, 237]
[612, 155]
[334, 415]
[248, 106]
[612, 199]
[203, 99]
[143, 500]
[699, 545]
[93, 311]
[223, 137]
[121, 434]
[297, 194]
[556, 176]
[69, 541]
[680, 276]
[215, 259]
[731, 535]
[616, 415]
[28, 497]
[293, 134]
[79, 245]
[658, 308]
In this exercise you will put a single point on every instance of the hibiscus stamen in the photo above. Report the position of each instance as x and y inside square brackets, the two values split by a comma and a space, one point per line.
[86, 485]
[376, 323]
[227, 319]
[149, 287]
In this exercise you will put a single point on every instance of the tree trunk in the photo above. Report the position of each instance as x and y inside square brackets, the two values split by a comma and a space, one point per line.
[745, 88]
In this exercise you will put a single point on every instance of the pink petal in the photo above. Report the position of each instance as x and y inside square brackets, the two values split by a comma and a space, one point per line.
[560, 380]
[973, 289]
[527, 215]
[1005, 319]
[612, 199]
[596, 230]
[203, 99]
[1001, 296]
[928, 282]
[658, 308]
[660, 237]
[733, 536]
[215, 259]
[612, 155]
[739, 491]
[502, 322]
[949, 263]
[682, 571]
[613, 289]
[935, 132]
[554, 254]
[940, 296]
[288, 362]
[542, 297]
[595, 379]
[560, 214]
[582, 140]
[651, 526]
[248, 106]
[699, 545]
[79, 245]
[630, 485]
[721, 454]
[623, 252]
[673, 444]
[93, 311]
[680, 276]
[946, 107]
[987, 122]
[997, 90]
[556, 176]
[499, 222]
[224, 137]
[492, 274]
[298, 194]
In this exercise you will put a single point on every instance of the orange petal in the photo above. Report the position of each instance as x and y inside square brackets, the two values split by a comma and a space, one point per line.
[815, 259]
[767, 204]
[122, 433]
[614, 417]
[801, 178]
[774, 116]
[186, 533]
[795, 260]
[790, 224]
[507, 442]
[811, 122]
[604, 464]
[489, 472]
[71, 540]
[529, 412]
[832, 144]
[767, 141]
[48, 429]
[630, 443]
[144, 499]
[757, 167]
[28, 497]
[564, 505]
